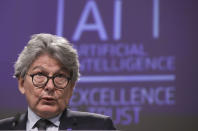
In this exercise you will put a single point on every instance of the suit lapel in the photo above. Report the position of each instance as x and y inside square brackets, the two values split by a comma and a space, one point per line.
[20, 122]
[67, 121]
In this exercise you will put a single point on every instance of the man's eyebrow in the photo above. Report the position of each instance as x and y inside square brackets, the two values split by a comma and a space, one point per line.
[63, 69]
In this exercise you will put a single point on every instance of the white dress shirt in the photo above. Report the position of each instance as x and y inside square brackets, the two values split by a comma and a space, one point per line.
[33, 118]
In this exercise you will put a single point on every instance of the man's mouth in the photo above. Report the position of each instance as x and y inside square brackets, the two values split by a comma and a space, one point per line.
[48, 100]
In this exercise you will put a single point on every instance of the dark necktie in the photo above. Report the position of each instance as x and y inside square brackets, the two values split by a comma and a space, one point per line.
[42, 124]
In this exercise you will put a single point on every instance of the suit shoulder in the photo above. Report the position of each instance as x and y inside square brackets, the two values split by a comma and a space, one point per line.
[12, 123]
[7, 122]
[87, 115]
[93, 121]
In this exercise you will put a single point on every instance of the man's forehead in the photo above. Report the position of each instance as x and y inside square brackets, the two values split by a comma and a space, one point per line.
[40, 67]
[46, 62]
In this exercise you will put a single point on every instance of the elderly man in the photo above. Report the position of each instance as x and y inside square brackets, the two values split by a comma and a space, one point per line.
[47, 70]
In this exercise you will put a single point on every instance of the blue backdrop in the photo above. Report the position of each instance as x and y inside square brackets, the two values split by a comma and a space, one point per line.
[138, 57]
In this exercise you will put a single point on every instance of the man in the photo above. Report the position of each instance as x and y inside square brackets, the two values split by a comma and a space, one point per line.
[47, 70]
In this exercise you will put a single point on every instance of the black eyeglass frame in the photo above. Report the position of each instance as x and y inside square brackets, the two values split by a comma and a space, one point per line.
[48, 78]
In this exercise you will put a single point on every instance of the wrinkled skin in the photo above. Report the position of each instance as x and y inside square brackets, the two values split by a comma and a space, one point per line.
[46, 102]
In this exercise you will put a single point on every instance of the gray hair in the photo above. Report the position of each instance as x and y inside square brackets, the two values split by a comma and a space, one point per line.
[57, 47]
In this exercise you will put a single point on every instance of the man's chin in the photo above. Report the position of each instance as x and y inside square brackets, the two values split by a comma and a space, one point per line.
[48, 111]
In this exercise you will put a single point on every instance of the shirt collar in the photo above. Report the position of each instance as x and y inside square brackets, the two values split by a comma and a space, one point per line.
[33, 118]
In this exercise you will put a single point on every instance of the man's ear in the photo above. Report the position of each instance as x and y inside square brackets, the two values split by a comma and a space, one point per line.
[21, 85]
[71, 86]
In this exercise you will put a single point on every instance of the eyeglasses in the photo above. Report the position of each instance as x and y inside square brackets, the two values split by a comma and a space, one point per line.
[40, 80]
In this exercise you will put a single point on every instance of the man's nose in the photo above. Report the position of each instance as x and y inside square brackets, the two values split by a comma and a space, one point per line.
[49, 85]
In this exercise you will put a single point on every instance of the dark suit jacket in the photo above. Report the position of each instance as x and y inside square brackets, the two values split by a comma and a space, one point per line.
[74, 120]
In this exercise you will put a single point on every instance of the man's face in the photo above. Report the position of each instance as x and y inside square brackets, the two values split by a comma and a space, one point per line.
[47, 101]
